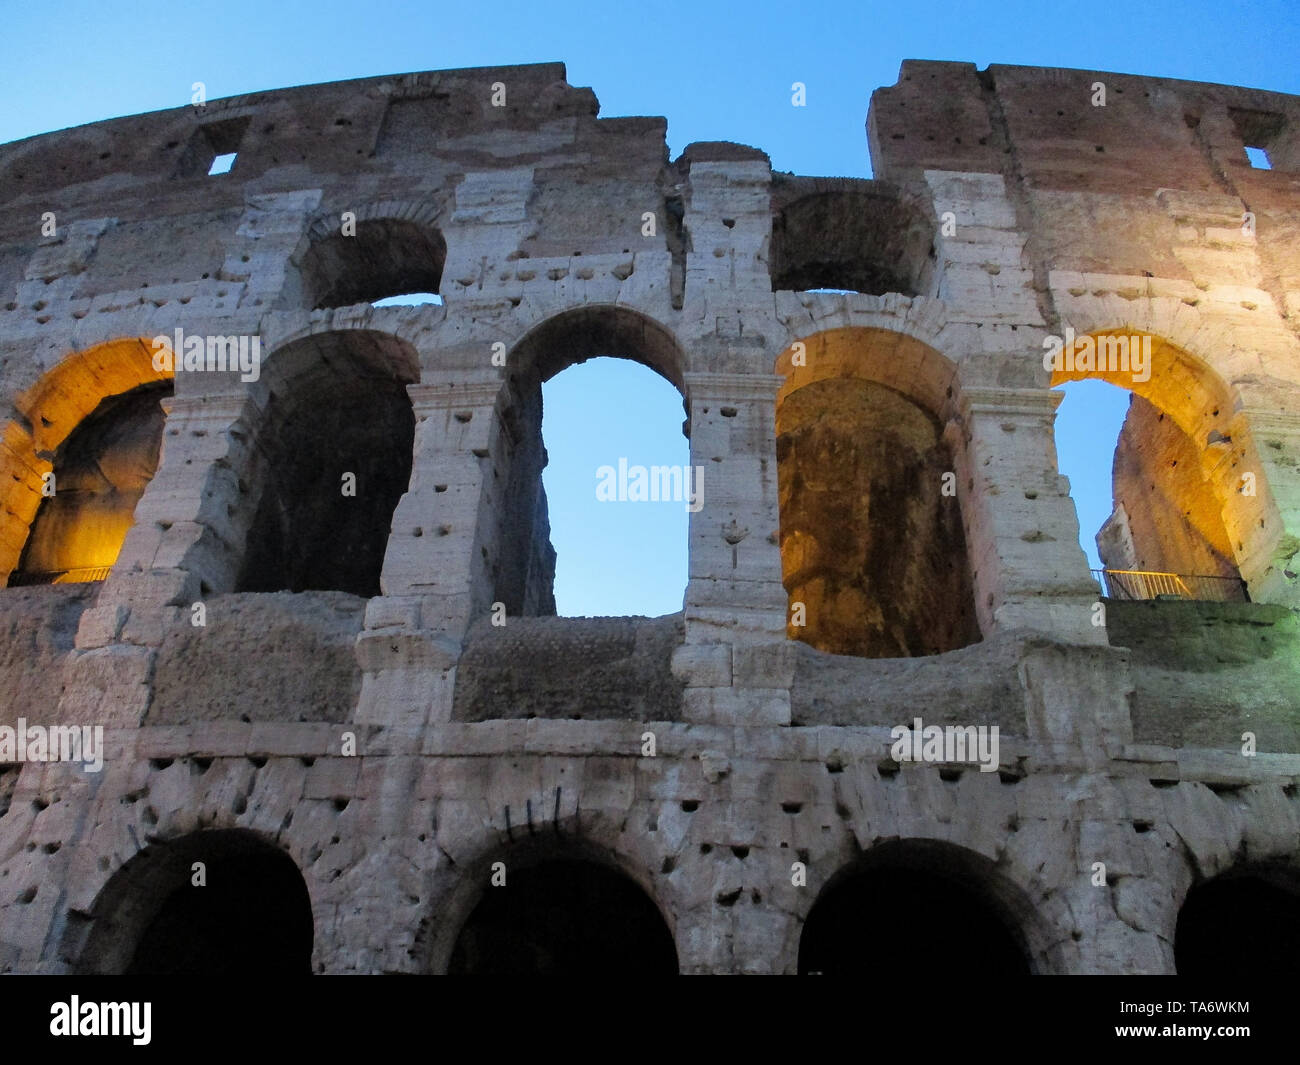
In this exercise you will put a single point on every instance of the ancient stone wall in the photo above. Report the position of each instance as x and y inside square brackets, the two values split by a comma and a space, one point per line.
[283, 670]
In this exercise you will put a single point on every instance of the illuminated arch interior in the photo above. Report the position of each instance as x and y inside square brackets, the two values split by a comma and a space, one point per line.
[872, 543]
[1176, 507]
[96, 415]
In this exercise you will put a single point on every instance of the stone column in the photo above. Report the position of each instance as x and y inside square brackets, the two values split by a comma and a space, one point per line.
[1266, 443]
[1022, 531]
[437, 568]
[187, 540]
[736, 661]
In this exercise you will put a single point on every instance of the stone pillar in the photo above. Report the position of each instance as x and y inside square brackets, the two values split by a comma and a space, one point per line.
[1022, 531]
[456, 478]
[437, 568]
[187, 540]
[1266, 443]
[192, 522]
[736, 661]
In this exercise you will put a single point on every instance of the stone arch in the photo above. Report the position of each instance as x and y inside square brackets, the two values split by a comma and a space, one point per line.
[1215, 343]
[1242, 923]
[516, 534]
[577, 334]
[397, 248]
[872, 538]
[254, 911]
[45, 415]
[327, 403]
[921, 318]
[1197, 495]
[850, 234]
[849, 927]
[562, 842]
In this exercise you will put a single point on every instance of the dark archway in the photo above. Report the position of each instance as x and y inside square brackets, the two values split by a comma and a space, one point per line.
[253, 913]
[384, 257]
[914, 910]
[336, 444]
[565, 917]
[1240, 926]
[846, 234]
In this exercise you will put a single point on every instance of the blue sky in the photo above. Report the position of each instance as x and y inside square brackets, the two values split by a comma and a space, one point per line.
[717, 71]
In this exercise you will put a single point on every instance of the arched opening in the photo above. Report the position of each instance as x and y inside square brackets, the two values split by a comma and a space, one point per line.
[220, 902]
[847, 235]
[1241, 925]
[913, 909]
[100, 472]
[873, 550]
[617, 489]
[95, 423]
[565, 917]
[385, 257]
[1166, 532]
[335, 443]
[521, 556]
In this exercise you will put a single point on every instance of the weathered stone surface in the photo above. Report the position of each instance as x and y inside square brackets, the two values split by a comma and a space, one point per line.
[37, 632]
[277, 657]
[368, 751]
[588, 668]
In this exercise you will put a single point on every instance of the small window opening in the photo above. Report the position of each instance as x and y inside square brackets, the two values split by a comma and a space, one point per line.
[213, 148]
[1258, 158]
[1264, 136]
[221, 164]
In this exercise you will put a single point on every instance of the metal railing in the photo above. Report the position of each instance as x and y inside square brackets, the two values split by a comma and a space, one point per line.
[1147, 584]
[63, 576]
